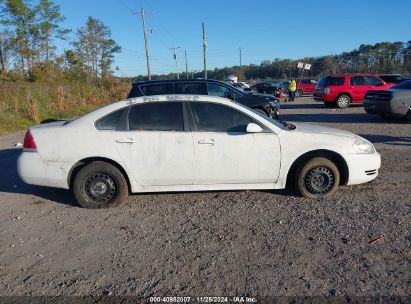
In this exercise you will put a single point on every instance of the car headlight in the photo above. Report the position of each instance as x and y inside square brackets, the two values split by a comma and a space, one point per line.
[363, 146]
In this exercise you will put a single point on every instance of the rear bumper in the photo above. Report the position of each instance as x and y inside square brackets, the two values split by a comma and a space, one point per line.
[33, 170]
[363, 168]
[324, 97]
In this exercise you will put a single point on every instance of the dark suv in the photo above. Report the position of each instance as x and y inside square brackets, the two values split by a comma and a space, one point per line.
[264, 104]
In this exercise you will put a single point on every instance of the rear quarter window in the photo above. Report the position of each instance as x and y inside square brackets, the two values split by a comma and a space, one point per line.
[110, 121]
[335, 81]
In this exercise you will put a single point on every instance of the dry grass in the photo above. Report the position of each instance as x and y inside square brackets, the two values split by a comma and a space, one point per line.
[24, 104]
[33, 109]
[60, 99]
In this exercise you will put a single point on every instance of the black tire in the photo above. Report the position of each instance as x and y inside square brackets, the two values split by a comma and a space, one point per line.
[329, 104]
[100, 185]
[261, 111]
[408, 116]
[319, 177]
[299, 93]
[343, 101]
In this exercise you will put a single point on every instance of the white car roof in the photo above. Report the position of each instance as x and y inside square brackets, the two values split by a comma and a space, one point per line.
[90, 118]
[96, 114]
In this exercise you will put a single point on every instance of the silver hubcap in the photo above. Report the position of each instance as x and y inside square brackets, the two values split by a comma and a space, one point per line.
[343, 102]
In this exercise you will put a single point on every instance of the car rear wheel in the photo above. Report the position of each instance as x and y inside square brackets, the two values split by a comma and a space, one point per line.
[343, 101]
[319, 177]
[100, 185]
[299, 93]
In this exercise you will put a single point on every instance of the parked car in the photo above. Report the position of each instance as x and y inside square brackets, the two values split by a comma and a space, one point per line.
[265, 88]
[394, 102]
[344, 89]
[305, 86]
[189, 143]
[242, 84]
[266, 104]
[392, 78]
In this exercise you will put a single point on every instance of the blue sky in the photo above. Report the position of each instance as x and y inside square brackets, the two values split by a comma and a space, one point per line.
[264, 29]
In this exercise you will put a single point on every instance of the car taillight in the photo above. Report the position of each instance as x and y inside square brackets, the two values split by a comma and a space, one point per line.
[29, 143]
[326, 90]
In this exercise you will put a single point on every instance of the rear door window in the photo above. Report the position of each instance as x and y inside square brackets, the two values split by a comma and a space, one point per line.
[197, 88]
[357, 81]
[161, 116]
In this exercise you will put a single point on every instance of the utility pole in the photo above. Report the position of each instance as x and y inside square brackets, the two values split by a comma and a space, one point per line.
[142, 12]
[205, 51]
[241, 63]
[2, 64]
[185, 55]
[175, 58]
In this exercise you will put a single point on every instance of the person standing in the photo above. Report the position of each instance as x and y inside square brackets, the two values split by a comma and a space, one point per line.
[292, 87]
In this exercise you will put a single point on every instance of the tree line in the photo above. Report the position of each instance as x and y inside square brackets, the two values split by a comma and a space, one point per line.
[28, 48]
[384, 57]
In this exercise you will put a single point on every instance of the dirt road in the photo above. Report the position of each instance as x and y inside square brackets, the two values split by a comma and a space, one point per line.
[255, 243]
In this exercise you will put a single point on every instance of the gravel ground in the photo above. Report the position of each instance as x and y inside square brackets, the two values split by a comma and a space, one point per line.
[260, 244]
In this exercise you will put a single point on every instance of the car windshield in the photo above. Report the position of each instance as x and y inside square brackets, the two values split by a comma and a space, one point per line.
[405, 85]
[239, 92]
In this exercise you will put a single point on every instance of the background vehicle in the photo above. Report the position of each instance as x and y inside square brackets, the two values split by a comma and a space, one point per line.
[392, 78]
[189, 143]
[267, 105]
[265, 88]
[394, 102]
[343, 89]
[305, 86]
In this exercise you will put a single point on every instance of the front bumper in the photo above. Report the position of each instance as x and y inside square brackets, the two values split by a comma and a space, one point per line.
[362, 168]
[377, 106]
[274, 113]
[33, 170]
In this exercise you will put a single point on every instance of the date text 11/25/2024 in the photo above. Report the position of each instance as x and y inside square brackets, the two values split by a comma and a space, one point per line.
[236, 299]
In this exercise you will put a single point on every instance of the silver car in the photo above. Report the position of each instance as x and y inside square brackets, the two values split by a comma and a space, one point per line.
[394, 102]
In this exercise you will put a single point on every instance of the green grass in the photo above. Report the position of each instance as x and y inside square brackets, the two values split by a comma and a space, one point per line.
[52, 101]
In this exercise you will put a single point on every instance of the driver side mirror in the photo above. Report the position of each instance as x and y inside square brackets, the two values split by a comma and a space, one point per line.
[254, 128]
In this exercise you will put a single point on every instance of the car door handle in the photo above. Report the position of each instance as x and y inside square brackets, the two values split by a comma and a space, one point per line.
[125, 141]
[209, 141]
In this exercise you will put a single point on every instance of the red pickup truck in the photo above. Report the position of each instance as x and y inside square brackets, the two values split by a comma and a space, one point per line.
[341, 90]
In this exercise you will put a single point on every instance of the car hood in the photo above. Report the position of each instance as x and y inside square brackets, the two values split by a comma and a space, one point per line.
[315, 129]
[269, 96]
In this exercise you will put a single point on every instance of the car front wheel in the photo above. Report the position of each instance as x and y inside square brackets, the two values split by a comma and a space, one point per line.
[319, 177]
[100, 185]
[298, 93]
[343, 101]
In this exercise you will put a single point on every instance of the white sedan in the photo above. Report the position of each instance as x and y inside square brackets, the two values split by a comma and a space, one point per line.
[189, 143]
